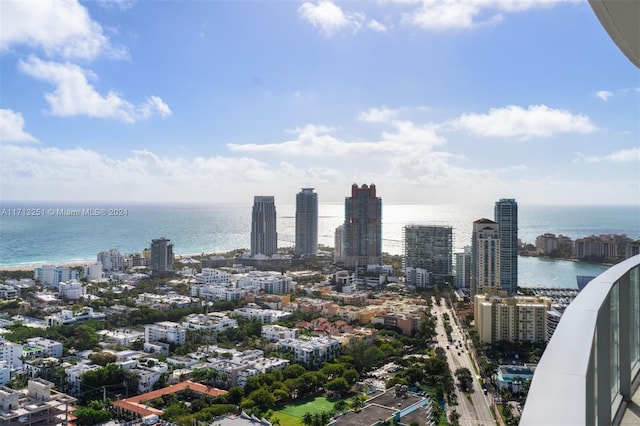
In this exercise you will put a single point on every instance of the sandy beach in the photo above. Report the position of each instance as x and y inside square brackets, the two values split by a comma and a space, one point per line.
[32, 266]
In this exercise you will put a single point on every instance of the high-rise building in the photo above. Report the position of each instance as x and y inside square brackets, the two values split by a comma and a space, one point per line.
[161, 260]
[485, 257]
[338, 252]
[430, 248]
[362, 227]
[264, 238]
[506, 216]
[306, 222]
[463, 268]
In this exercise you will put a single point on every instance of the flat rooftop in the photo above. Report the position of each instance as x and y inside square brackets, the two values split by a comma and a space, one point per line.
[398, 403]
[366, 417]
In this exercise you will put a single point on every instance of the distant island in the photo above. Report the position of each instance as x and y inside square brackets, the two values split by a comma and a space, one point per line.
[604, 249]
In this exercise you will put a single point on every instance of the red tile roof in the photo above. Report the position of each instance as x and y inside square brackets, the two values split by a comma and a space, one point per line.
[135, 404]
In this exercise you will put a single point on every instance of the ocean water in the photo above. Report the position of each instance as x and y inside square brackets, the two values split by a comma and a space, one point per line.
[53, 238]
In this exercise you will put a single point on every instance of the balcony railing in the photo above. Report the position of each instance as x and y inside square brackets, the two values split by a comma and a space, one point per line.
[589, 370]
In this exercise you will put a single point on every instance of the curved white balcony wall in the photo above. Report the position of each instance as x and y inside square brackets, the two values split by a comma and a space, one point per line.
[590, 367]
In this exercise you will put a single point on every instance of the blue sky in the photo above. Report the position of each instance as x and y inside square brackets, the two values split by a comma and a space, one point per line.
[434, 101]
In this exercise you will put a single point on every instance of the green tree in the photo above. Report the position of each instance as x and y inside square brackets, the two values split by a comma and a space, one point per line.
[307, 418]
[89, 416]
[339, 385]
[454, 418]
[351, 376]
[84, 337]
[235, 395]
[465, 379]
[293, 370]
[103, 358]
[263, 399]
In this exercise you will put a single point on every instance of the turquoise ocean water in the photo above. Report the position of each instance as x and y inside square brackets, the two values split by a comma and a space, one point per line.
[54, 238]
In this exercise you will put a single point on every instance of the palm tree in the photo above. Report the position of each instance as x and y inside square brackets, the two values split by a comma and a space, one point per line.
[307, 418]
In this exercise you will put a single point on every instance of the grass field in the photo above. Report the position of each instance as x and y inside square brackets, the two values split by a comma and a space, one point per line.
[291, 415]
[286, 419]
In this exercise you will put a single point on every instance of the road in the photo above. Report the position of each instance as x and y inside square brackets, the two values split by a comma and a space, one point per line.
[474, 407]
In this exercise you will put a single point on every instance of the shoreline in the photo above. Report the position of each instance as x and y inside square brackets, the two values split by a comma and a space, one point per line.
[80, 263]
[31, 266]
[77, 263]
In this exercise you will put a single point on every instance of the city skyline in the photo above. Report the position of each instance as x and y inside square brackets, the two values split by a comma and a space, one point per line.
[435, 102]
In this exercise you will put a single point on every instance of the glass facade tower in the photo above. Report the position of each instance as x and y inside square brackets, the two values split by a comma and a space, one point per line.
[161, 259]
[264, 238]
[362, 227]
[506, 216]
[306, 223]
[430, 248]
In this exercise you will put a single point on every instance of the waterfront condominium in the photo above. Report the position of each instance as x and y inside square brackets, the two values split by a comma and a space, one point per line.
[161, 260]
[506, 216]
[264, 238]
[485, 257]
[362, 227]
[463, 268]
[430, 248]
[306, 222]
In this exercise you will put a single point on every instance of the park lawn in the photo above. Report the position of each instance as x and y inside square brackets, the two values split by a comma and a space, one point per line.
[316, 405]
[286, 419]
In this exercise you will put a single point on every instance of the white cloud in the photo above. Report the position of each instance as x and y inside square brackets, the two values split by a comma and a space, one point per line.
[74, 95]
[538, 121]
[376, 26]
[622, 156]
[410, 139]
[377, 115]
[123, 5]
[329, 18]
[45, 173]
[12, 127]
[310, 140]
[57, 27]
[403, 139]
[604, 95]
[153, 105]
[438, 15]
[403, 163]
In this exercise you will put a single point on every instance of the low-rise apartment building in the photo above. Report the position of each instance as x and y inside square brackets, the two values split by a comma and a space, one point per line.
[265, 316]
[166, 332]
[122, 337]
[213, 322]
[11, 353]
[278, 332]
[39, 347]
[311, 352]
[71, 290]
[213, 276]
[67, 317]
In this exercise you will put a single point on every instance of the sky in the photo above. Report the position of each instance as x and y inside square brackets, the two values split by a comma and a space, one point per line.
[433, 101]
